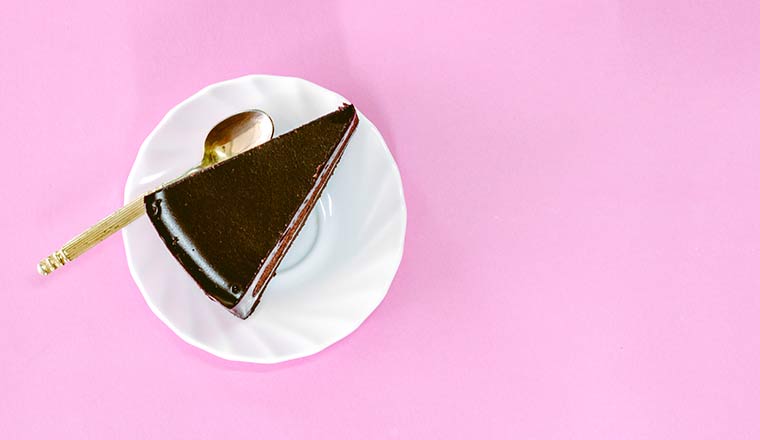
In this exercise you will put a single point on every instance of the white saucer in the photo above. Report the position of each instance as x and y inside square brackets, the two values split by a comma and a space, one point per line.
[338, 270]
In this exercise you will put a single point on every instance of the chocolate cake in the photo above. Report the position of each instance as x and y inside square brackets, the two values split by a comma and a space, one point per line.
[230, 225]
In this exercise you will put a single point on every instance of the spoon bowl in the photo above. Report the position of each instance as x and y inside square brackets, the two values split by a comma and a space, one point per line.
[236, 134]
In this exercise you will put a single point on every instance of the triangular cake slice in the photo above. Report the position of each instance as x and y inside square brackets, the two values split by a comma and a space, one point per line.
[230, 225]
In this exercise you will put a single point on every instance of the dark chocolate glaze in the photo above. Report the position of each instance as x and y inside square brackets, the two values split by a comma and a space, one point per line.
[223, 222]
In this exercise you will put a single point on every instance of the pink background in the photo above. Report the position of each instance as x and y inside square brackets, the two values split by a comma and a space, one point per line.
[583, 248]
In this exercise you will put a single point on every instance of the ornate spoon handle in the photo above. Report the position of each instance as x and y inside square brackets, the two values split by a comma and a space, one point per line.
[89, 238]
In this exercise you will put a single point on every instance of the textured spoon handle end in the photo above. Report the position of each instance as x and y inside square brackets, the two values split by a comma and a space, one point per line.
[89, 238]
[52, 262]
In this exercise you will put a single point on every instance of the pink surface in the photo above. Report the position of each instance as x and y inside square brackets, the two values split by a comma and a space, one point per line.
[583, 248]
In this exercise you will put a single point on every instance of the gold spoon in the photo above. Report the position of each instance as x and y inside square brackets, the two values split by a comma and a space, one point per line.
[228, 138]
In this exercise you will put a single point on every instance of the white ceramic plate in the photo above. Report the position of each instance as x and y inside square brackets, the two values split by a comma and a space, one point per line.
[338, 270]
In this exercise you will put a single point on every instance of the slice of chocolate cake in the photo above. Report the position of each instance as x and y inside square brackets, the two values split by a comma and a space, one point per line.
[230, 225]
